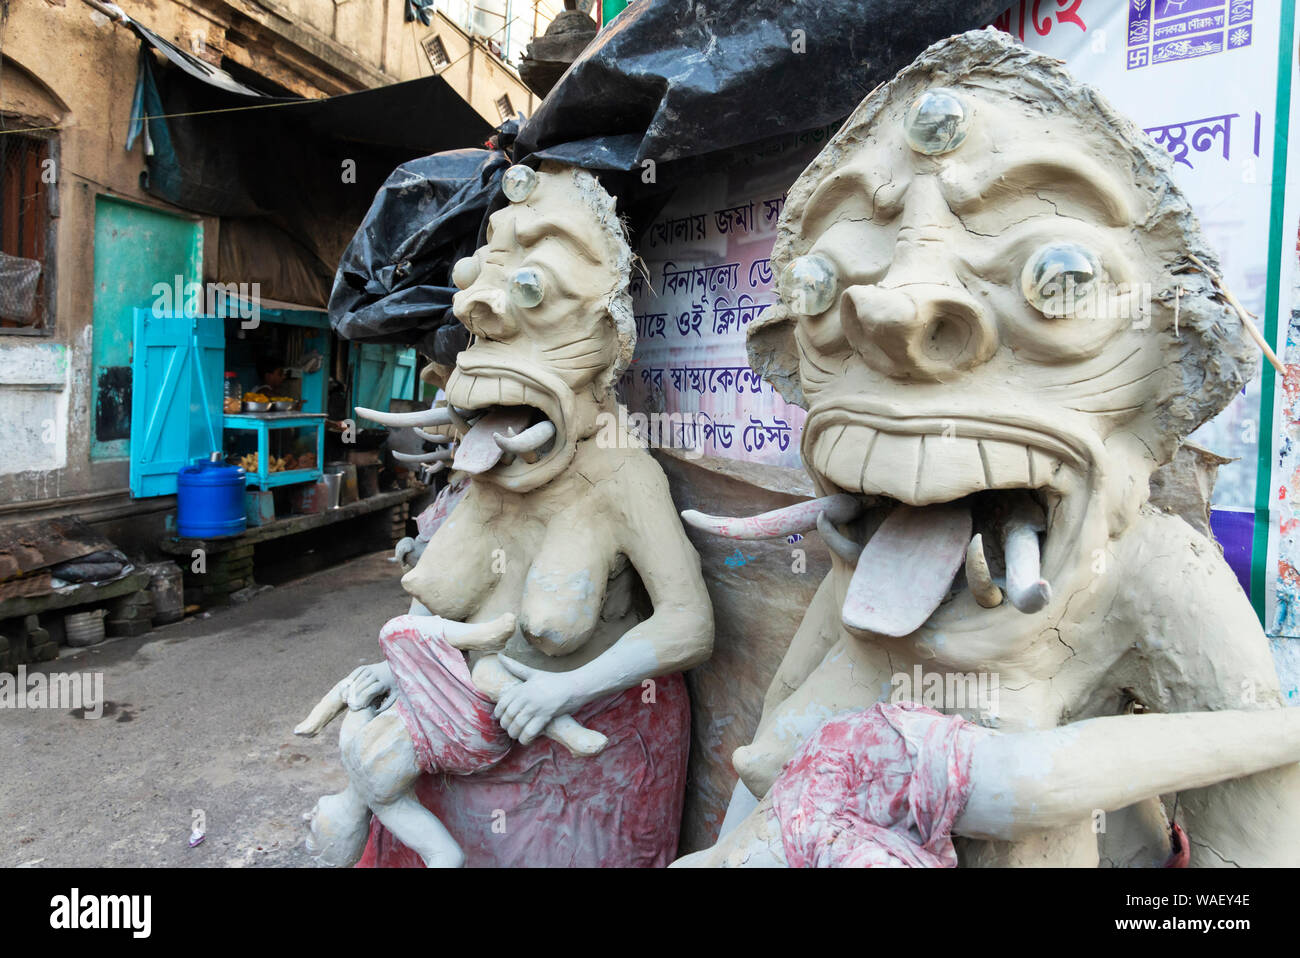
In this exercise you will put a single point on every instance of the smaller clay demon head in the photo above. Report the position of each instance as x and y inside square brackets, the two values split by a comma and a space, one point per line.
[979, 280]
[547, 303]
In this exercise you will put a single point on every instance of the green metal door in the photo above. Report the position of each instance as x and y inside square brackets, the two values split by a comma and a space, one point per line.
[139, 251]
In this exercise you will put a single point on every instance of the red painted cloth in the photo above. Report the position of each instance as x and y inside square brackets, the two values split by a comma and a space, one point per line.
[537, 805]
[880, 787]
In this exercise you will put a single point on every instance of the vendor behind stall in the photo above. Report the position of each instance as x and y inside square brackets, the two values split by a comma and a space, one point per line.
[272, 374]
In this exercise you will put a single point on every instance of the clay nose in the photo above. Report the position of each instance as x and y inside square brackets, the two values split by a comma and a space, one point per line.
[485, 310]
[919, 331]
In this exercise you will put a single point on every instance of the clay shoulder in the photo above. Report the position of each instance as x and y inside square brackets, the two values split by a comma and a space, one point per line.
[1164, 539]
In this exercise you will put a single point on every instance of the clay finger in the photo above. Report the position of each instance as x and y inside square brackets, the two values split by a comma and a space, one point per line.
[362, 694]
[503, 703]
[532, 730]
[519, 723]
[512, 711]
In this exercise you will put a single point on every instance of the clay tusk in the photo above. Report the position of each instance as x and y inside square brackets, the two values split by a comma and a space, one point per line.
[800, 517]
[438, 455]
[421, 417]
[432, 437]
[458, 422]
[526, 444]
[1026, 589]
[429, 471]
[978, 578]
[838, 542]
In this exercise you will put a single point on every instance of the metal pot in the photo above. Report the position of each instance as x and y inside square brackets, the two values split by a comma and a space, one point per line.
[85, 628]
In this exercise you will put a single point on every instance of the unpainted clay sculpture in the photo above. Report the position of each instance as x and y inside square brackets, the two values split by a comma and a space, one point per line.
[563, 572]
[1001, 316]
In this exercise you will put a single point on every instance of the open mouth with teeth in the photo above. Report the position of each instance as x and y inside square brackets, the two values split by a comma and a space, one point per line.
[498, 423]
[511, 425]
[938, 518]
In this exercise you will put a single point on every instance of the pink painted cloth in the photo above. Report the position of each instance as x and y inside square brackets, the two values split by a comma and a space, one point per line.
[449, 720]
[537, 805]
[880, 787]
[428, 521]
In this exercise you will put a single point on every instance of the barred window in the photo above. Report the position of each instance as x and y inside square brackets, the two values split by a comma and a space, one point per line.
[436, 51]
[505, 108]
[27, 178]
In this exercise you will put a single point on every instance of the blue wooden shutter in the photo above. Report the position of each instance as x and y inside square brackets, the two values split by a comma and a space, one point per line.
[404, 375]
[177, 366]
[372, 382]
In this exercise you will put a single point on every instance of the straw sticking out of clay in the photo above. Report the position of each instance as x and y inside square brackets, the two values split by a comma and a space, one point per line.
[1242, 313]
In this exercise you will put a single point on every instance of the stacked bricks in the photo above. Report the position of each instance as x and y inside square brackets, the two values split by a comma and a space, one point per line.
[397, 516]
[25, 640]
[227, 571]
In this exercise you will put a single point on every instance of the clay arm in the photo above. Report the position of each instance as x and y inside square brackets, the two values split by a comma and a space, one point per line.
[1022, 782]
[1033, 780]
[1201, 648]
[679, 634]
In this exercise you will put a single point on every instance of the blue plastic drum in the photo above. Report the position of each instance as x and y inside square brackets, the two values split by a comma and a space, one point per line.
[210, 500]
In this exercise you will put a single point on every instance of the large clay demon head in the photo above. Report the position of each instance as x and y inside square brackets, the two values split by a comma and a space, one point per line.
[547, 304]
[988, 311]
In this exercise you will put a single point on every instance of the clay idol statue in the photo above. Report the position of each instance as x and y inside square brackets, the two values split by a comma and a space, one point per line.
[537, 716]
[1001, 316]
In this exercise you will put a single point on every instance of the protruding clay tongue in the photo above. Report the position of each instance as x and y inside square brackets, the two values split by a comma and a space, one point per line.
[906, 569]
[478, 451]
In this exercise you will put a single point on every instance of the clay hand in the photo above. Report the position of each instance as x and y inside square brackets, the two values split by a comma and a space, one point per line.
[370, 682]
[524, 710]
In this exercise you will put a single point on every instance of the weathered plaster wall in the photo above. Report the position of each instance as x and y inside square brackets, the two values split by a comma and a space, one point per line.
[34, 393]
[475, 73]
[63, 70]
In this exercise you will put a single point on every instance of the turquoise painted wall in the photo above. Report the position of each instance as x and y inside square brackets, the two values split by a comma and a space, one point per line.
[135, 248]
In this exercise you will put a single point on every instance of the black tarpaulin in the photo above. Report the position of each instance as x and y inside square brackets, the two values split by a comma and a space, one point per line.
[666, 80]
[393, 281]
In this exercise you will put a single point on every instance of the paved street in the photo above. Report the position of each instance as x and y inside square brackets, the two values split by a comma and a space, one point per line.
[199, 715]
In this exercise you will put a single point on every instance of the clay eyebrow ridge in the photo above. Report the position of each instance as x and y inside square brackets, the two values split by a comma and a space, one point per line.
[863, 189]
[1053, 176]
[534, 229]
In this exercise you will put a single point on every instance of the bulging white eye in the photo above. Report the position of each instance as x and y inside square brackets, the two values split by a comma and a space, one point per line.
[1060, 279]
[518, 183]
[936, 122]
[526, 287]
[808, 285]
[465, 272]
